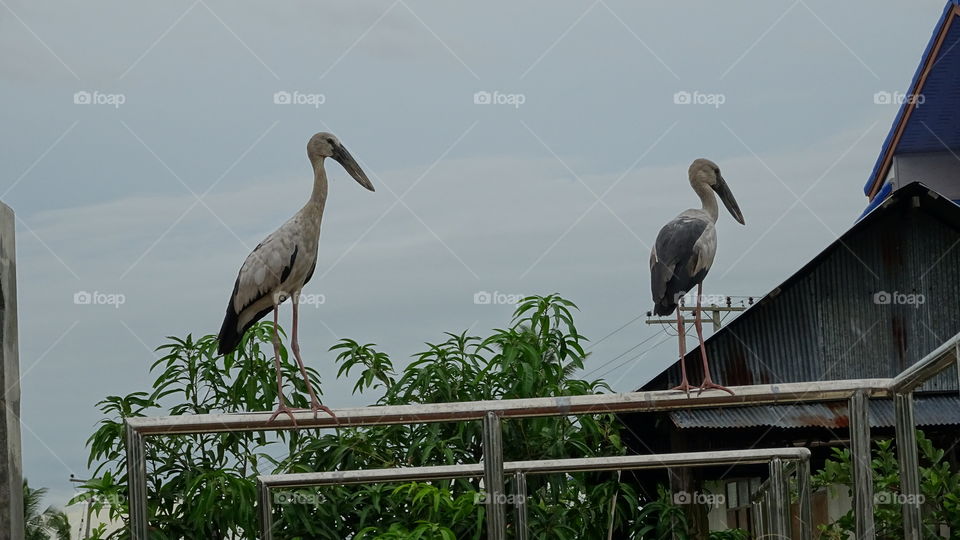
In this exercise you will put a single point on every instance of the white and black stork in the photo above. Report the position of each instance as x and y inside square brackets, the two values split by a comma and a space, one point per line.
[279, 267]
[683, 254]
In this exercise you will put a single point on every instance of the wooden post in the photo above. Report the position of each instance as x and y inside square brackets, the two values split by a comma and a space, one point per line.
[11, 476]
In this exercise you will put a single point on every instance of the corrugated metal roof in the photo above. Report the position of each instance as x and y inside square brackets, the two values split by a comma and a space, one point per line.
[928, 410]
[823, 323]
[936, 79]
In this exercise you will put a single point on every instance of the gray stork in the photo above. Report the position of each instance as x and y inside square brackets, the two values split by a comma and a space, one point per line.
[282, 264]
[684, 252]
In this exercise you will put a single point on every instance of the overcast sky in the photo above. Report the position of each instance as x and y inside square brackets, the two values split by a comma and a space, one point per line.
[182, 162]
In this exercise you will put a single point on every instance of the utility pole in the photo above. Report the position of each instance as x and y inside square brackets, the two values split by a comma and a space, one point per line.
[712, 312]
[11, 467]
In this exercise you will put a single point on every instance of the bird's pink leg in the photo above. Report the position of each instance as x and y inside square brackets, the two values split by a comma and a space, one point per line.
[315, 404]
[283, 408]
[684, 385]
[707, 380]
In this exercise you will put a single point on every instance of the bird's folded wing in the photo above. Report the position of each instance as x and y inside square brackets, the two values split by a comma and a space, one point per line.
[265, 269]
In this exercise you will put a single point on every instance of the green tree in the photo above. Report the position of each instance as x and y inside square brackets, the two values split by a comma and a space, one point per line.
[49, 524]
[939, 488]
[203, 486]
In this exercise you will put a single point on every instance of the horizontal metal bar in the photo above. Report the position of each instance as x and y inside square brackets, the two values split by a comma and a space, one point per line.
[615, 463]
[940, 359]
[663, 400]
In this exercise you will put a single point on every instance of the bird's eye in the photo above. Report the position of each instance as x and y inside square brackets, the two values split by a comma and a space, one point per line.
[330, 141]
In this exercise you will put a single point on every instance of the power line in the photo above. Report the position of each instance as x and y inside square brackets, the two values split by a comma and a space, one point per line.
[621, 355]
[662, 341]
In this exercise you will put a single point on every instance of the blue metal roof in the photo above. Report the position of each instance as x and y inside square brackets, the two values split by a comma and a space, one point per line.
[928, 411]
[931, 122]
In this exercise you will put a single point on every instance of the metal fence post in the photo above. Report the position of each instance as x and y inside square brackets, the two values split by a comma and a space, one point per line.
[493, 477]
[806, 495]
[779, 497]
[520, 504]
[909, 466]
[265, 510]
[862, 465]
[137, 483]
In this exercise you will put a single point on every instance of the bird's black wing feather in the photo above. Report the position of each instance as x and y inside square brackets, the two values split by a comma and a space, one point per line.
[675, 256]
[230, 335]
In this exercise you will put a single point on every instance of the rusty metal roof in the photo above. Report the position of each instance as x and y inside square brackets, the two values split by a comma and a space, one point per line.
[928, 410]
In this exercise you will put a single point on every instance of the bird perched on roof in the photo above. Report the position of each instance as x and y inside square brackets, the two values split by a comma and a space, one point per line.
[684, 252]
[279, 267]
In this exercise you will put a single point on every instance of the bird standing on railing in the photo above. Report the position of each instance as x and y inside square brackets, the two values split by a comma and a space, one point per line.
[283, 263]
[683, 254]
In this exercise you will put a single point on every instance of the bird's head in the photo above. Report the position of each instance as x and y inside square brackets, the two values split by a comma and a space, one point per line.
[705, 172]
[326, 145]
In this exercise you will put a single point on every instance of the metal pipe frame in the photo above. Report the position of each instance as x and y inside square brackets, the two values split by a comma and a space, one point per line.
[139, 428]
[519, 469]
[862, 460]
[909, 466]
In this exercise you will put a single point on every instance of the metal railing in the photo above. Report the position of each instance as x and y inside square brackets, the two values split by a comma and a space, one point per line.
[774, 457]
[858, 392]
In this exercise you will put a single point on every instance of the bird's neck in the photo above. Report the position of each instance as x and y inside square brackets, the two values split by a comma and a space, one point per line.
[708, 200]
[319, 195]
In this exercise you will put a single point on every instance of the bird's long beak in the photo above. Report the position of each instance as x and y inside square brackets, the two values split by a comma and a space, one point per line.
[351, 166]
[723, 190]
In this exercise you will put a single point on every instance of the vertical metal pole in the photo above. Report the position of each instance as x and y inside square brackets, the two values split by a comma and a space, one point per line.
[805, 494]
[11, 460]
[493, 477]
[265, 497]
[137, 483]
[756, 519]
[779, 496]
[862, 468]
[520, 504]
[909, 466]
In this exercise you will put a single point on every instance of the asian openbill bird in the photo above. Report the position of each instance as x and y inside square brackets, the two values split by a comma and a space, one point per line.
[683, 254]
[279, 267]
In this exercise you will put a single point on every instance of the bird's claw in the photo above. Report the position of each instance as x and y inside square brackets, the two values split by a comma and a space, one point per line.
[283, 409]
[708, 384]
[316, 407]
[684, 387]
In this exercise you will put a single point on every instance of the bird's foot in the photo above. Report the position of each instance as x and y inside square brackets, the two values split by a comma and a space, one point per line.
[283, 409]
[710, 385]
[684, 387]
[316, 407]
